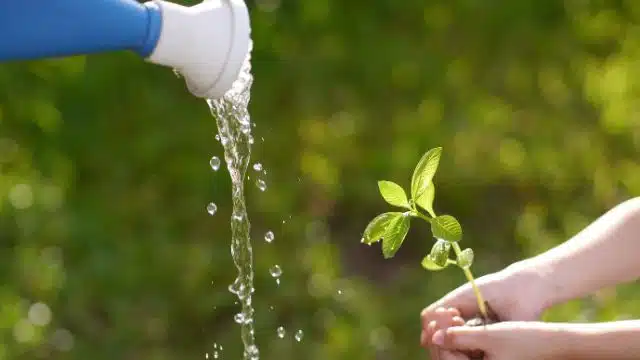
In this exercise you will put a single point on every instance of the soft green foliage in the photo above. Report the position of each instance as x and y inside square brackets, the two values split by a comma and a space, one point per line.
[424, 172]
[429, 263]
[377, 228]
[534, 101]
[465, 259]
[394, 235]
[445, 228]
[440, 253]
[426, 200]
[393, 194]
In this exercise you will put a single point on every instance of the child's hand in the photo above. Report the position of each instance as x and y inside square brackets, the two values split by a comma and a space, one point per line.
[502, 341]
[442, 319]
[515, 293]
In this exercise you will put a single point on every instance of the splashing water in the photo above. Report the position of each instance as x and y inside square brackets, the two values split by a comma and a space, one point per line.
[275, 271]
[215, 163]
[212, 208]
[234, 127]
[261, 184]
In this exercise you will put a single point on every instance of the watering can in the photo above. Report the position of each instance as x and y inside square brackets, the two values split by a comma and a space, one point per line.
[206, 43]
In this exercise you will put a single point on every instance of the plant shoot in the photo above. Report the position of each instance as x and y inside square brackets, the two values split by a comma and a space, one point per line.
[391, 228]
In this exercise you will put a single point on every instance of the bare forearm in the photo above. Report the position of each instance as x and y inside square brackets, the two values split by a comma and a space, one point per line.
[603, 254]
[618, 340]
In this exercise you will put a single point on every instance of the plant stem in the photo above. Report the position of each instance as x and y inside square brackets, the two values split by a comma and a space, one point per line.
[417, 213]
[476, 290]
[467, 272]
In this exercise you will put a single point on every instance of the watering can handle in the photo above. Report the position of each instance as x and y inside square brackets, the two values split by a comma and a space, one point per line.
[207, 42]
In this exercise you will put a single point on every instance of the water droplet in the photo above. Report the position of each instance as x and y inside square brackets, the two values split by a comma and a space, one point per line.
[246, 129]
[217, 137]
[275, 271]
[212, 208]
[216, 355]
[239, 318]
[281, 332]
[215, 163]
[339, 292]
[251, 141]
[177, 73]
[261, 185]
[206, 355]
[252, 352]
[257, 167]
[299, 335]
[269, 236]
[224, 140]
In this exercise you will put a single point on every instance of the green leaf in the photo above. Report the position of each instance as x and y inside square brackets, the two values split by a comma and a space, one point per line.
[446, 227]
[393, 194]
[465, 259]
[376, 228]
[394, 235]
[426, 200]
[429, 264]
[424, 172]
[440, 252]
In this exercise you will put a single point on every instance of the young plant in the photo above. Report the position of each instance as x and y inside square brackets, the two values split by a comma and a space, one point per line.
[392, 227]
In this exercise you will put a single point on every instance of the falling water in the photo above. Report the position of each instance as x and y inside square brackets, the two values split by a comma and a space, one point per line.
[234, 127]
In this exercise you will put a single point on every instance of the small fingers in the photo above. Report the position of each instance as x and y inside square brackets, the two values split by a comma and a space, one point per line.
[464, 338]
[441, 318]
[440, 315]
[427, 315]
[457, 321]
[427, 334]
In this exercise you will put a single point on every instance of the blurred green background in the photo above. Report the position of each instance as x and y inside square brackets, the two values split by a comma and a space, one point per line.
[108, 252]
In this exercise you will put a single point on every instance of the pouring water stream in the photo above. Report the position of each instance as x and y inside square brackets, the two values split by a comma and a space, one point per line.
[234, 127]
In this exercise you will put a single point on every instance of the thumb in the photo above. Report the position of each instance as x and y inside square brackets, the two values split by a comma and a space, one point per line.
[463, 338]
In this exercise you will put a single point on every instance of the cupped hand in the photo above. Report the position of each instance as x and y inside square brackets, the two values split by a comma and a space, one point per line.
[515, 293]
[504, 341]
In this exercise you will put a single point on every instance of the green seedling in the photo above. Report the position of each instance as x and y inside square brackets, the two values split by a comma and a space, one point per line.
[392, 227]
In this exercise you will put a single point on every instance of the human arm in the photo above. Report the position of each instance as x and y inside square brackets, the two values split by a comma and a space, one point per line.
[618, 340]
[604, 254]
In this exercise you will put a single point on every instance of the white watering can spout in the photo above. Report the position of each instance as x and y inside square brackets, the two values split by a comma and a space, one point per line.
[207, 43]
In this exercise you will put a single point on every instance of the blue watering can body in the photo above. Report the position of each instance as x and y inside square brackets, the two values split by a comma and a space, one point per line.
[34, 29]
[207, 43]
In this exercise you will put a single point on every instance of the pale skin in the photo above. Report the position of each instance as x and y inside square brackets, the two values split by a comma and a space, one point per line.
[604, 254]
